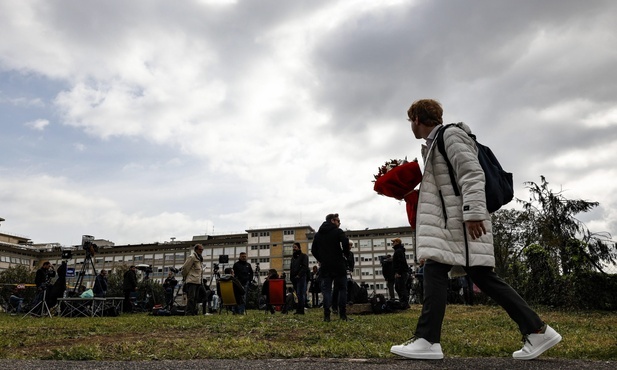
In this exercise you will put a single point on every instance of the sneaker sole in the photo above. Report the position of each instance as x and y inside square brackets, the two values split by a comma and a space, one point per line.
[543, 348]
[418, 356]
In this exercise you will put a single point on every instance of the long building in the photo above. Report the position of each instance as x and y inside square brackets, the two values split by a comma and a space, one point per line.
[269, 247]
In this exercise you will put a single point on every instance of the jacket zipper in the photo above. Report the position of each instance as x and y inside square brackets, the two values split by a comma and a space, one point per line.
[443, 209]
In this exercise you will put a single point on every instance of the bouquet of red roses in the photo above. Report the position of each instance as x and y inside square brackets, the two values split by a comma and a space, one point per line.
[397, 179]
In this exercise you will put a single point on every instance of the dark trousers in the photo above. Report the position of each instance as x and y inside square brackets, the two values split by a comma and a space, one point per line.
[195, 294]
[326, 289]
[400, 284]
[127, 306]
[390, 285]
[299, 286]
[436, 292]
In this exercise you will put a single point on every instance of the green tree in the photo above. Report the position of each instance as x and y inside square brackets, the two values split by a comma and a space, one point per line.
[567, 240]
[510, 235]
[12, 276]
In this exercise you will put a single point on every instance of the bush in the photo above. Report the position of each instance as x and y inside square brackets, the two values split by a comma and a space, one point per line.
[592, 290]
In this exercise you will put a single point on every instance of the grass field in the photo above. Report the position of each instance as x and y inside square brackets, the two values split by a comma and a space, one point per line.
[478, 331]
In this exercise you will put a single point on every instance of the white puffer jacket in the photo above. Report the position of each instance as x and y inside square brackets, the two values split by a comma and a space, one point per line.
[440, 232]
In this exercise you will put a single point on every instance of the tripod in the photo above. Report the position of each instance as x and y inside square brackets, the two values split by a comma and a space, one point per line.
[87, 262]
[149, 293]
[42, 305]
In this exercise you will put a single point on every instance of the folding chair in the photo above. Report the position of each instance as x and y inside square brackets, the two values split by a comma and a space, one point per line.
[228, 298]
[276, 292]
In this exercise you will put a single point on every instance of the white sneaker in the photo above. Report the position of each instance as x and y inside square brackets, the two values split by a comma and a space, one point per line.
[418, 349]
[536, 344]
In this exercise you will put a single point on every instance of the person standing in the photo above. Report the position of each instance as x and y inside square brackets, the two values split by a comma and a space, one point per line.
[169, 284]
[100, 285]
[315, 287]
[193, 274]
[387, 270]
[243, 271]
[331, 249]
[129, 285]
[298, 272]
[454, 234]
[401, 272]
[42, 280]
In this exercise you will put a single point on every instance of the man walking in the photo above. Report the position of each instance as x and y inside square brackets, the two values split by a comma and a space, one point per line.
[454, 234]
[331, 249]
[243, 271]
[299, 273]
[401, 272]
[193, 274]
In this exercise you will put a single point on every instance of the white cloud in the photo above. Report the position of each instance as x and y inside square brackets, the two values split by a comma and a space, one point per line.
[202, 115]
[38, 124]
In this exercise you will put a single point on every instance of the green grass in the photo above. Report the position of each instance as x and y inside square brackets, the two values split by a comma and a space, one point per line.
[478, 331]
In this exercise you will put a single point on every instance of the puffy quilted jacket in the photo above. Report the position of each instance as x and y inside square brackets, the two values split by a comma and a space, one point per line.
[440, 232]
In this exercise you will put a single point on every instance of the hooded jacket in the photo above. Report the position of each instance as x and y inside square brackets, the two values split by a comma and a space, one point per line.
[192, 270]
[440, 230]
[331, 249]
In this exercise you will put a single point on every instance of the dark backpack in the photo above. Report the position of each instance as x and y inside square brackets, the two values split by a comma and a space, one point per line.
[378, 304]
[498, 186]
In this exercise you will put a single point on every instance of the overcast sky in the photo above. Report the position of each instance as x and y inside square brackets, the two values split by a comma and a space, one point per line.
[138, 121]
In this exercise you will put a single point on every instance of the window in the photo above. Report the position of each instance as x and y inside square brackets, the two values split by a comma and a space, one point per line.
[264, 233]
[264, 246]
[365, 244]
[254, 247]
[288, 232]
[288, 249]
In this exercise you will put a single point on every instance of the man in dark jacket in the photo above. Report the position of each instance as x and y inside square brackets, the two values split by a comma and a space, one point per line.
[331, 249]
[401, 272]
[129, 285]
[243, 271]
[100, 284]
[298, 273]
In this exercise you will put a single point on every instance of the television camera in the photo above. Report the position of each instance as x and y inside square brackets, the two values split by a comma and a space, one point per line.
[145, 268]
[88, 245]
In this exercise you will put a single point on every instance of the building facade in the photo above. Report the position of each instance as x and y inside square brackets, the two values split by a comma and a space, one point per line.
[266, 248]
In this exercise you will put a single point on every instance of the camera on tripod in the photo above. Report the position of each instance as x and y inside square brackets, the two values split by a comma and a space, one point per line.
[145, 268]
[88, 245]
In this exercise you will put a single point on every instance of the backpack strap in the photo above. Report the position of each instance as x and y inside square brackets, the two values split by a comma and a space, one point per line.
[442, 149]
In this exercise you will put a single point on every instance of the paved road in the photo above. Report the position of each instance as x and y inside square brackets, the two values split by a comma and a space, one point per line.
[318, 364]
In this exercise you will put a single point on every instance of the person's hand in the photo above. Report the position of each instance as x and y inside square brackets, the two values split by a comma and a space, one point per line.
[475, 229]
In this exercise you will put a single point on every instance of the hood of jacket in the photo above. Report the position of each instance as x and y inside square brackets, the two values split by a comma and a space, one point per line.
[326, 227]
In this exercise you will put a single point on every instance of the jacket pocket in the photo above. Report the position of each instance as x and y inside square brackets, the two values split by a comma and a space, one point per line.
[443, 210]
